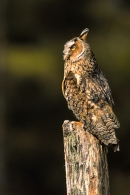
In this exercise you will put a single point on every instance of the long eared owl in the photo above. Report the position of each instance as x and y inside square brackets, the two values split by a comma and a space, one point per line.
[87, 91]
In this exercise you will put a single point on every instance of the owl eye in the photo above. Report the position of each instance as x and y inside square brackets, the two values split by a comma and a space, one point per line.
[73, 47]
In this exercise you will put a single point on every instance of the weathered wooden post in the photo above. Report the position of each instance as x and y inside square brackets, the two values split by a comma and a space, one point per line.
[85, 162]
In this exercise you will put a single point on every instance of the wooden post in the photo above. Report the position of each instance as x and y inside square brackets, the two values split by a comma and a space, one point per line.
[85, 162]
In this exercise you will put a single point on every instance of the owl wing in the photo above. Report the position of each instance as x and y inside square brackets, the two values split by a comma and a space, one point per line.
[97, 88]
[106, 91]
[98, 97]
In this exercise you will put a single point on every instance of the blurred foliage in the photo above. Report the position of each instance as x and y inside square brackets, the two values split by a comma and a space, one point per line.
[35, 32]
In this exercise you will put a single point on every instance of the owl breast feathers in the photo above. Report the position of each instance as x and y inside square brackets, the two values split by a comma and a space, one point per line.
[87, 91]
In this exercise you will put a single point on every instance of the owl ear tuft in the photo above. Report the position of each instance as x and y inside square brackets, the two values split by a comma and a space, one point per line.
[84, 34]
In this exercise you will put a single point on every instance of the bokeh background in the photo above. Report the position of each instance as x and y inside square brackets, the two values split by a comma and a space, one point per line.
[32, 108]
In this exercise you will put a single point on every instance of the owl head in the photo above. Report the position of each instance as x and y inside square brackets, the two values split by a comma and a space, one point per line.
[76, 47]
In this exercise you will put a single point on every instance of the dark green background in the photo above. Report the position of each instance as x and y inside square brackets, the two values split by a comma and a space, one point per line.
[32, 35]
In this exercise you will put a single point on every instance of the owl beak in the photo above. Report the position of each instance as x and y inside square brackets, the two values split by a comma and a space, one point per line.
[64, 55]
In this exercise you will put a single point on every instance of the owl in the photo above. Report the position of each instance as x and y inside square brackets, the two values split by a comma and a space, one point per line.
[87, 91]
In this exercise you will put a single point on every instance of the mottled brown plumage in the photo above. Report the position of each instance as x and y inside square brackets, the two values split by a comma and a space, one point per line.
[87, 91]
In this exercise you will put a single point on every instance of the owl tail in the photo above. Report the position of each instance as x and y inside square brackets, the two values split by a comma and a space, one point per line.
[102, 124]
[116, 147]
